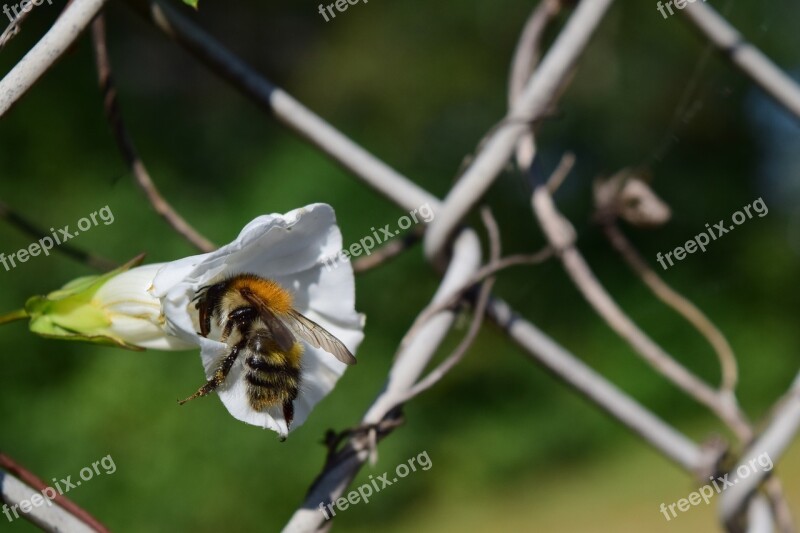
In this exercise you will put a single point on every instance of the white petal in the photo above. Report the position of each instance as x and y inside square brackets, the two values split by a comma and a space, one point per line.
[130, 286]
[145, 334]
[135, 313]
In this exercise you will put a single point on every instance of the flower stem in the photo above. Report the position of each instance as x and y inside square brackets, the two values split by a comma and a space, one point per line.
[12, 317]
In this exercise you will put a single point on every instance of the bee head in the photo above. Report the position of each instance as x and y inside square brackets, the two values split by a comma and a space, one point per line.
[206, 301]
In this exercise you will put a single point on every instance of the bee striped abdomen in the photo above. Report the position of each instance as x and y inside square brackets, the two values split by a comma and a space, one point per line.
[273, 376]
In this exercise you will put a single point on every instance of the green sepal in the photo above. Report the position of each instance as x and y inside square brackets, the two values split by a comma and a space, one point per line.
[68, 313]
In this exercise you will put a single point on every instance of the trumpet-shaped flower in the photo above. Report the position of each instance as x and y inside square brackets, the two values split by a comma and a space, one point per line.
[291, 250]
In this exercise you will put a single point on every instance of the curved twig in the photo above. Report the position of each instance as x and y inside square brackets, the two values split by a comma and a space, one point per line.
[482, 273]
[46, 52]
[537, 96]
[774, 440]
[340, 471]
[126, 146]
[561, 235]
[679, 303]
[745, 56]
[435, 375]
[526, 56]
[13, 28]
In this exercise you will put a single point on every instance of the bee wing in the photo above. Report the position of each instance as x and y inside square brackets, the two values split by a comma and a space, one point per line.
[281, 334]
[319, 337]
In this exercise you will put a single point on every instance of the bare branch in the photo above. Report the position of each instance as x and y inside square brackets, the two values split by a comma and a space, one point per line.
[408, 366]
[483, 273]
[561, 236]
[526, 56]
[597, 389]
[126, 146]
[13, 28]
[46, 52]
[561, 172]
[679, 303]
[745, 56]
[285, 108]
[528, 50]
[479, 312]
[774, 441]
[534, 100]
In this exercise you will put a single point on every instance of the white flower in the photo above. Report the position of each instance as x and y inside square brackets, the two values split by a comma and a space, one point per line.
[290, 249]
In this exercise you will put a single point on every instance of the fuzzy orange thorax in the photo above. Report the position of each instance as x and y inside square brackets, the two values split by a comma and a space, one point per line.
[277, 298]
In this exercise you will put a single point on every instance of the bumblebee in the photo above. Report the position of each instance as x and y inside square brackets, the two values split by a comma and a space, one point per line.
[258, 322]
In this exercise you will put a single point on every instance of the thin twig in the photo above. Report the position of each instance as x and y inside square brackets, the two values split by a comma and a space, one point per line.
[529, 49]
[66, 29]
[405, 372]
[126, 146]
[484, 272]
[13, 28]
[749, 59]
[561, 172]
[536, 98]
[774, 440]
[679, 303]
[688, 310]
[633, 201]
[435, 375]
[599, 391]
[29, 228]
[561, 236]
[526, 57]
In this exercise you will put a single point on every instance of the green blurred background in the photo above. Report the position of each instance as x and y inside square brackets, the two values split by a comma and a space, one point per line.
[418, 84]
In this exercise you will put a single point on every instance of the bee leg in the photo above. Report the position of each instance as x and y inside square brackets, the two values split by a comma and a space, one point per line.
[242, 317]
[219, 376]
[288, 412]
